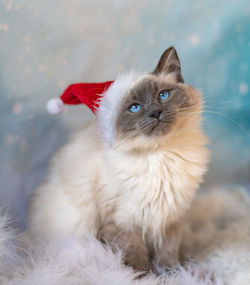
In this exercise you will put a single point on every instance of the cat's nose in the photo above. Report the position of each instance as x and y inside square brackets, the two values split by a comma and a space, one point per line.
[155, 114]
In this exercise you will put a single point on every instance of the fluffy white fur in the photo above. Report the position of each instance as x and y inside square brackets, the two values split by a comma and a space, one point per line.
[217, 236]
[8, 254]
[110, 103]
[6, 234]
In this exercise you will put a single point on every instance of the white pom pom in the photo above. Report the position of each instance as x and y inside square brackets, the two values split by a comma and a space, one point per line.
[55, 106]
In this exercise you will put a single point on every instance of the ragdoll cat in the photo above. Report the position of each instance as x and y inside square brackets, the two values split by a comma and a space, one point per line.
[129, 176]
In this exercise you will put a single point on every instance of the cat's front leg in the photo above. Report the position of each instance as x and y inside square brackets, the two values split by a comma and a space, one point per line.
[167, 254]
[131, 243]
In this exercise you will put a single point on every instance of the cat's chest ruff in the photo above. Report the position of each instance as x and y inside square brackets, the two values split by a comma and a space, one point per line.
[140, 171]
[145, 189]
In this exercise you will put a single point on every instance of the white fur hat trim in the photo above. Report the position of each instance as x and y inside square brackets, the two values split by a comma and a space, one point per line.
[55, 106]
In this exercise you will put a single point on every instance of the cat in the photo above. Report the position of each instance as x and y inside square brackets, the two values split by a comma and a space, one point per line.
[130, 175]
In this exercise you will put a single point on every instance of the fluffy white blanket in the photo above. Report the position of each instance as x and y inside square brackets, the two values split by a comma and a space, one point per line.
[216, 237]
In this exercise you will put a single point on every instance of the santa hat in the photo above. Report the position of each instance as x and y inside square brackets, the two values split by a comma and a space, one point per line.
[102, 98]
[79, 93]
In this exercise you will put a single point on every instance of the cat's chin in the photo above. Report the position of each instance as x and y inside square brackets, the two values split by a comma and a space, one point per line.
[142, 142]
[159, 135]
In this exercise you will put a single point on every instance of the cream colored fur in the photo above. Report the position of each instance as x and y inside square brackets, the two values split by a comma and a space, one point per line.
[144, 182]
[217, 234]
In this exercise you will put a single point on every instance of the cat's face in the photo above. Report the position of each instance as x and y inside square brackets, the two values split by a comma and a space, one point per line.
[156, 103]
[151, 107]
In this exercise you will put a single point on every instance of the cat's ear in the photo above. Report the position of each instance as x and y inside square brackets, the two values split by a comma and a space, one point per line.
[168, 63]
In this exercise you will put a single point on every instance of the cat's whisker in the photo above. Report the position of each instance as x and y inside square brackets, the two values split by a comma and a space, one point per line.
[124, 139]
[230, 119]
[228, 105]
[212, 96]
[219, 114]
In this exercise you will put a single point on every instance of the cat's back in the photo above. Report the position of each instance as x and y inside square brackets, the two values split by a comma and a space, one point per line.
[59, 203]
[74, 166]
[82, 150]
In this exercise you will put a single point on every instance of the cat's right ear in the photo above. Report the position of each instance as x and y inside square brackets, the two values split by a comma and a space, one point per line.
[169, 63]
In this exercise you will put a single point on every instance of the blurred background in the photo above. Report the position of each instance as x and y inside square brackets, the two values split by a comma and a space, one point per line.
[46, 45]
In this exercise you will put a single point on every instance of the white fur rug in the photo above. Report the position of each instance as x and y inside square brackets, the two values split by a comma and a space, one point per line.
[216, 237]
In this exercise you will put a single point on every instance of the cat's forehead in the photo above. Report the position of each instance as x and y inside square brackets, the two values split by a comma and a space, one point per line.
[149, 84]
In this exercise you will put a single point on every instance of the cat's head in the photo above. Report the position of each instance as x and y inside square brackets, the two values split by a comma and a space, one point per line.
[143, 110]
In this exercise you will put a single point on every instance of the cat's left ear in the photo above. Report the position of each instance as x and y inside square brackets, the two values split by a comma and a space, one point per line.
[169, 63]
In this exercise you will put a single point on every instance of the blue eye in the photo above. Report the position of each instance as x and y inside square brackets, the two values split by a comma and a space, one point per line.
[135, 108]
[164, 95]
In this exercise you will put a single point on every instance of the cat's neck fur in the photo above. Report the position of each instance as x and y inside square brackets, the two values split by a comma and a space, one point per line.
[167, 175]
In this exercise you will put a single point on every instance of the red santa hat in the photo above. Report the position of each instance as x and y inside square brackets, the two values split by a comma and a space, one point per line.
[88, 94]
[102, 98]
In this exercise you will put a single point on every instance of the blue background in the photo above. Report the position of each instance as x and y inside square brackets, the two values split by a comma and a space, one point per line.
[46, 45]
